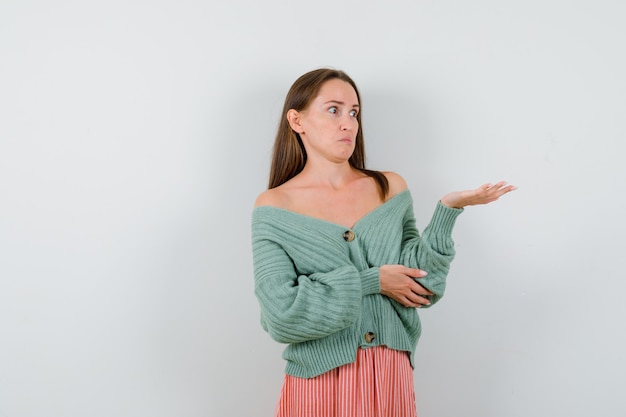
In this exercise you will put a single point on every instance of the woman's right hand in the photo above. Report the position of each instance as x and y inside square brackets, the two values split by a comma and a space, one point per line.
[398, 282]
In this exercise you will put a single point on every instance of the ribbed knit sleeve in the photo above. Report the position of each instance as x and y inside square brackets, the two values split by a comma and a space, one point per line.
[299, 306]
[433, 251]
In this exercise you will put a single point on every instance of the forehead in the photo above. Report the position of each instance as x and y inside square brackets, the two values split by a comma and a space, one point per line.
[338, 90]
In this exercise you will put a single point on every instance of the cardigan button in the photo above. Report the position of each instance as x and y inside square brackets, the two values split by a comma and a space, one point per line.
[369, 337]
[348, 235]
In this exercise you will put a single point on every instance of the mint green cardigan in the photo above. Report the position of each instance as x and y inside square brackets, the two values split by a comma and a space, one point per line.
[319, 291]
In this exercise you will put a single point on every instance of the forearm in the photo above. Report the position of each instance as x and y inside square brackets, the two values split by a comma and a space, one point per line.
[434, 251]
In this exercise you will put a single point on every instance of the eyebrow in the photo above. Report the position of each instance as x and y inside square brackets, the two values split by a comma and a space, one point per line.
[341, 103]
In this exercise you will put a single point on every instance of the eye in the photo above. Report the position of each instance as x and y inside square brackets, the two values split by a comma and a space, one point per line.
[353, 113]
[333, 110]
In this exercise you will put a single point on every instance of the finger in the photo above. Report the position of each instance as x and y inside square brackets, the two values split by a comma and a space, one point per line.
[497, 190]
[415, 301]
[498, 185]
[415, 273]
[421, 302]
[508, 188]
[419, 289]
[503, 190]
[503, 187]
[405, 301]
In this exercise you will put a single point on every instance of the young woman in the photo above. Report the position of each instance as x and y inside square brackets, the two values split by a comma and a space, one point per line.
[339, 265]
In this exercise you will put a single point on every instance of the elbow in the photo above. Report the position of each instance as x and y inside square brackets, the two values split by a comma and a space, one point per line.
[281, 337]
[279, 332]
[305, 329]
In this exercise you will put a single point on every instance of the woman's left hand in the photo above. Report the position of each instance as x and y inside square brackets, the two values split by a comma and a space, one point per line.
[484, 194]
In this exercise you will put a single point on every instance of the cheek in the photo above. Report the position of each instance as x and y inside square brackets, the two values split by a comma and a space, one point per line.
[325, 125]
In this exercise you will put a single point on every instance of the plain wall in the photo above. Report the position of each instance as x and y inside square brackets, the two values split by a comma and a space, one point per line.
[135, 136]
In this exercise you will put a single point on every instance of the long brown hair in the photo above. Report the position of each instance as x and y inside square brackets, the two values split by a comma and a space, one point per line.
[289, 155]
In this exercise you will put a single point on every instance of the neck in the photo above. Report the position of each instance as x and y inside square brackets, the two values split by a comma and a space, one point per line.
[328, 174]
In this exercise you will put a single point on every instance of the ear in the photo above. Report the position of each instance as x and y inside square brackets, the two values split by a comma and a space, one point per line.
[293, 117]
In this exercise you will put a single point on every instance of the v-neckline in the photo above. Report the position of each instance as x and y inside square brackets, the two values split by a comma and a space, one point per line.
[359, 221]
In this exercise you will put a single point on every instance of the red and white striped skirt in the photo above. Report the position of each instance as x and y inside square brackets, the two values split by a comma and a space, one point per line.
[378, 384]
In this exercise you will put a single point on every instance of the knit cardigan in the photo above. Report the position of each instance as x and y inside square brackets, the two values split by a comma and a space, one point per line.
[318, 282]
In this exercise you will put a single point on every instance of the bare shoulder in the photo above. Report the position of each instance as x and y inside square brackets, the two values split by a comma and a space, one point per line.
[397, 184]
[273, 197]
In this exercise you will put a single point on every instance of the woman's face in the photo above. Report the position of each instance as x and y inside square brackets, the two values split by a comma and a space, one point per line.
[328, 126]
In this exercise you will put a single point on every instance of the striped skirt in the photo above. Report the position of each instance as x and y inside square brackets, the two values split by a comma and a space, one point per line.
[378, 384]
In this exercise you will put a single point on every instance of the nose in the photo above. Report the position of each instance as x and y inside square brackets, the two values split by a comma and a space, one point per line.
[348, 123]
